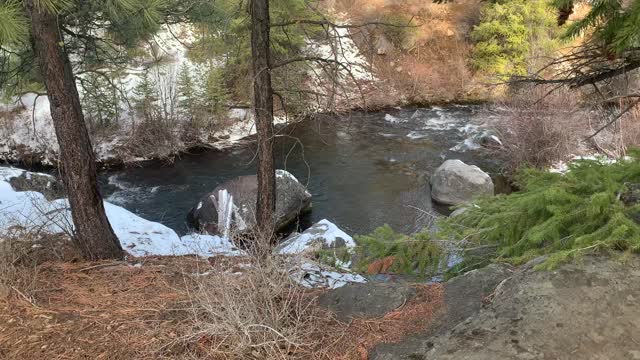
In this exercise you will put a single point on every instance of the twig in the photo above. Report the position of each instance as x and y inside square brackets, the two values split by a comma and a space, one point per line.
[116, 263]
[30, 301]
[631, 106]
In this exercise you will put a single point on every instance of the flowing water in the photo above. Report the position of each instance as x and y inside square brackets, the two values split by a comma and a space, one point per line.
[364, 170]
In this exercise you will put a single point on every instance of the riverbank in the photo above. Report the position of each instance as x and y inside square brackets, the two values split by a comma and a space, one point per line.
[149, 308]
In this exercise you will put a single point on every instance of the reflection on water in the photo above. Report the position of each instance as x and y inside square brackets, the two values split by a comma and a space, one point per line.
[363, 171]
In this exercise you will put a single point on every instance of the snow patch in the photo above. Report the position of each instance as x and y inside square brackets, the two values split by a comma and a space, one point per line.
[313, 275]
[324, 230]
[7, 173]
[562, 167]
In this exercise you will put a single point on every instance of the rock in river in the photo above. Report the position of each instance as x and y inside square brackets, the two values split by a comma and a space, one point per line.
[455, 183]
[231, 205]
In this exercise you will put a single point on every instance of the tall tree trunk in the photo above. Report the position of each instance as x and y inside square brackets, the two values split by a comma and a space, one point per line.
[263, 105]
[93, 233]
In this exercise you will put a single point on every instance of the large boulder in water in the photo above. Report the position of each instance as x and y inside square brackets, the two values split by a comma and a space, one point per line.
[455, 183]
[231, 205]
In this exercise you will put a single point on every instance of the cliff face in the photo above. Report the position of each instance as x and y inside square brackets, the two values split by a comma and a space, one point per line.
[585, 310]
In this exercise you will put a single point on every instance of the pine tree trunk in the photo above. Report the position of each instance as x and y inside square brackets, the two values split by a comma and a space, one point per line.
[263, 105]
[93, 233]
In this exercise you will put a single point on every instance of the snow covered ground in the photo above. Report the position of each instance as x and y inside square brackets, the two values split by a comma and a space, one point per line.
[562, 167]
[31, 211]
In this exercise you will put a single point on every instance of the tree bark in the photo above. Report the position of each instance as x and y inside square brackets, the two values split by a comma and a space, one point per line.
[263, 105]
[93, 234]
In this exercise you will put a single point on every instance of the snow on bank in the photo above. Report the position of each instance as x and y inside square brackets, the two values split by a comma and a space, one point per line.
[562, 167]
[312, 275]
[31, 211]
[27, 126]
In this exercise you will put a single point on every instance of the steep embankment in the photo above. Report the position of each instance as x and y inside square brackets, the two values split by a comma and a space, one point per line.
[424, 62]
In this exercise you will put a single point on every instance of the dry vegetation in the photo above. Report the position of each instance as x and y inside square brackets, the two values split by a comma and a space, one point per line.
[427, 63]
[542, 125]
[55, 306]
[540, 129]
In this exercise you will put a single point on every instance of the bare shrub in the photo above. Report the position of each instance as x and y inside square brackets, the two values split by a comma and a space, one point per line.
[250, 308]
[255, 311]
[540, 128]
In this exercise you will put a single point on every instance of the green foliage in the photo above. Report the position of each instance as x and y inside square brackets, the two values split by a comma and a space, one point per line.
[563, 216]
[96, 33]
[510, 33]
[202, 99]
[615, 22]
[224, 41]
[215, 92]
[187, 91]
[14, 26]
[334, 257]
[100, 101]
[416, 254]
[146, 97]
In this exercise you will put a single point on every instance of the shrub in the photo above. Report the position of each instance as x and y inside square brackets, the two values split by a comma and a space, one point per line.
[562, 216]
[398, 29]
[540, 129]
[416, 254]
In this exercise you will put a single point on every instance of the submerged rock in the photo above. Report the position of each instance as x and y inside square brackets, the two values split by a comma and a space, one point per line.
[231, 205]
[455, 183]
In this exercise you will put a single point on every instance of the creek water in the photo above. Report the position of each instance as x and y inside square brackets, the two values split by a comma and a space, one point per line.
[363, 170]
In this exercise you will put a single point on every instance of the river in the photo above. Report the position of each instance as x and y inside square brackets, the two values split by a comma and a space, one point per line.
[363, 170]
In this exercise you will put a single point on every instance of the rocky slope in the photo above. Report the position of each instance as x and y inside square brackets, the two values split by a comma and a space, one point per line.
[583, 310]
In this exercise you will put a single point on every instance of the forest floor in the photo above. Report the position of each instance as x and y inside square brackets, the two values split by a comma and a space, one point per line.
[145, 308]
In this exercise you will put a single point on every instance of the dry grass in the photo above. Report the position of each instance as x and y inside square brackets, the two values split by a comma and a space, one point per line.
[430, 63]
[616, 140]
[541, 127]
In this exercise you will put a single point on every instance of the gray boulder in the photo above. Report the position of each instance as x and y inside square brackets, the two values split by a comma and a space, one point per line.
[455, 183]
[231, 205]
[21, 180]
[323, 235]
[368, 301]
